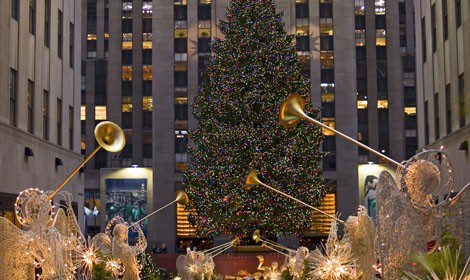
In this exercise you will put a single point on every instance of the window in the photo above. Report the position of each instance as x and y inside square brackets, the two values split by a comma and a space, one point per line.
[146, 25]
[127, 25]
[59, 122]
[436, 116]
[408, 63]
[204, 12]
[181, 12]
[458, 13]
[126, 57]
[301, 10]
[203, 45]
[433, 27]
[360, 22]
[445, 22]
[423, 38]
[45, 115]
[71, 44]
[181, 45]
[32, 16]
[127, 88]
[15, 8]
[326, 10]
[326, 43]
[13, 97]
[462, 111]
[60, 32]
[448, 112]
[30, 106]
[146, 56]
[71, 121]
[426, 123]
[181, 78]
[402, 12]
[47, 21]
[380, 22]
[302, 43]
[146, 88]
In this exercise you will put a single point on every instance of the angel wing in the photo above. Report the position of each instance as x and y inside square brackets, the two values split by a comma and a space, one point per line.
[362, 234]
[68, 223]
[60, 222]
[13, 263]
[103, 243]
[455, 217]
[402, 230]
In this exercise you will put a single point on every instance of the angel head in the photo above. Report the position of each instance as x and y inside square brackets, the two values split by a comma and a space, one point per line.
[120, 233]
[33, 209]
[422, 178]
[302, 252]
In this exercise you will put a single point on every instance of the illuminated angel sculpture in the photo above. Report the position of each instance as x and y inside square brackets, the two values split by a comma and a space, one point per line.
[415, 209]
[114, 243]
[52, 241]
[296, 263]
[195, 265]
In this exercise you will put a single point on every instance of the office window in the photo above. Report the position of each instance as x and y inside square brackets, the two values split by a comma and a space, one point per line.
[302, 43]
[146, 25]
[380, 22]
[402, 12]
[71, 44]
[462, 111]
[181, 78]
[436, 116]
[423, 38]
[13, 97]
[181, 45]
[448, 112]
[59, 122]
[32, 16]
[204, 12]
[126, 57]
[147, 56]
[45, 115]
[433, 27]
[60, 32]
[301, 10]
[445, 21]
[326, 43]
[326, 10]
[47, 21]
[30, 106]
[181, 12]
[458, 13]
[15, 8]
[71, 121]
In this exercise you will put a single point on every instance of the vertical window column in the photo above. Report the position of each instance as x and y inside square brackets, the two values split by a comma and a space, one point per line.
[13, 97]
[327, 82]
[30, 107]
[181, 85]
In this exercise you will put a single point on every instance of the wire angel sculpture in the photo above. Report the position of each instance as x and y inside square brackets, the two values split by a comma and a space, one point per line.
[296, 262]
[195, 265]
[416, 208]
[361, 233]
[336, 261]
[271, 272]
[51, 242]
[114, 245]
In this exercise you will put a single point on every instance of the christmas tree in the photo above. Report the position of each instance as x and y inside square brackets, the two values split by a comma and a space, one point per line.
[251, 72]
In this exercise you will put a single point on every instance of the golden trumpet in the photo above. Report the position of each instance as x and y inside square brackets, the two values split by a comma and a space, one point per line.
[253, 180]
[256, 236]
[109, 137]
[180, 196]
[293, 110]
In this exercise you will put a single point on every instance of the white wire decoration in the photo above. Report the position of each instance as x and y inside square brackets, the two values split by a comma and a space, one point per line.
[414, 210]
[114, 245]
[195, 265]
[51, 241]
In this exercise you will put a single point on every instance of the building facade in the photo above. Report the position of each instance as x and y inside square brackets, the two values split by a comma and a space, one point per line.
[443, 80]
[142, 61]
[39, 98]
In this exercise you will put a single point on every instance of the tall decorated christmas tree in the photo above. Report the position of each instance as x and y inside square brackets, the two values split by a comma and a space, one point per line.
[252, 70]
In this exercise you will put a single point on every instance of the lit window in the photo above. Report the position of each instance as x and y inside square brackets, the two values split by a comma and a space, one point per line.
[126, 104]
[181, 33]
[204, 2]
[82, 113]
[326, 29]
[91, 37]
[359, 7]
[147, 41]
[181, 57]
[127, 41]
[82, 143]
[329, 122]
[380, 7]
[100, 113]
[382, 104]
[181, 100]
[204, 33]
[147, 7]
[147, 103]
[380, 37]
[181, 66]
[127, 73]
[106, 35]
[181, 2]
[147, 72]
[410, 111]
[127, 6]
[327, 59]
[362, 104]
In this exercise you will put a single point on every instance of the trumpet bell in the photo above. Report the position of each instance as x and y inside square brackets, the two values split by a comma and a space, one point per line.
[181, 197]
[256, 236]
[252, 179]
[292, 110]
[110, 136]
